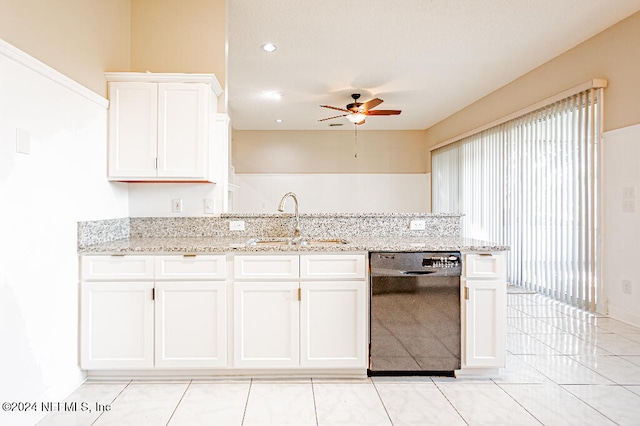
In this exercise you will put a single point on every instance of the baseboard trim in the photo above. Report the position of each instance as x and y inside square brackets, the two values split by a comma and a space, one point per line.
[223, 374]
[623, 315]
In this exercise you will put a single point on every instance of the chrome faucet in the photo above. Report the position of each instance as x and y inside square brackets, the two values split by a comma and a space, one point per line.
[296, 232]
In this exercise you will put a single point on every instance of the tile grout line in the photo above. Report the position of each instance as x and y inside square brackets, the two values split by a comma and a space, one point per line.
[113, 400]
[246, 404]
[315, 406]
[381, 401]
[518, 402]
[589, 405]
[179, 401]
[449, 401]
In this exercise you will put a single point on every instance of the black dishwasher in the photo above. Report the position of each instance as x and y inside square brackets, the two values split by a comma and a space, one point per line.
[415, 313]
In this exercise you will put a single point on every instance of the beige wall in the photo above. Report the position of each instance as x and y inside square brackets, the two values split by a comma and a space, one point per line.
[179, 36]
[79, 38]
[613, 54]
[330, 152]
[84, 38]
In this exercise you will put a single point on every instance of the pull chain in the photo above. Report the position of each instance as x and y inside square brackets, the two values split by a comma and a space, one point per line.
[355, 141]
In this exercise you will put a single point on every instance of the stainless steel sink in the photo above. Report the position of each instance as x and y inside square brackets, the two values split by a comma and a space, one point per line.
[326, 242]
[295, 242]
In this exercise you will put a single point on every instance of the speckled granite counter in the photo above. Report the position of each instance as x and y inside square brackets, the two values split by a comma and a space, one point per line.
[150, 245]
[362, 232]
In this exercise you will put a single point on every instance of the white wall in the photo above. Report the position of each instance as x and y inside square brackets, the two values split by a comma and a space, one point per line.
[43, 194]
[154, 199]
[340, 193]
[621, 222]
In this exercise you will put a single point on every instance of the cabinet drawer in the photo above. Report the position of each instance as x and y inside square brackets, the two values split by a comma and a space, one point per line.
[191, 267]
[116, 267]
[485, 265]
[270, 266]
[332, 266]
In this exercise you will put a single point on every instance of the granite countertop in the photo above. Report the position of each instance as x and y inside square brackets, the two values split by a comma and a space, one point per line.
[214, 244]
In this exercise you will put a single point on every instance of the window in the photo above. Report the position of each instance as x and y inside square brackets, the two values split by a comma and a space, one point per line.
[530, 182]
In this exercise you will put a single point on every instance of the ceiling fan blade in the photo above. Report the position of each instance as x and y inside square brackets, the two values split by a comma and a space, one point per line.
[331, 118]
[370, 104]
[383, 112]
[336, 108]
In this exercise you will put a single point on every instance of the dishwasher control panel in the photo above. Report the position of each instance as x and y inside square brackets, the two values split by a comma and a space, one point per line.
[416, 263]
[447, 261]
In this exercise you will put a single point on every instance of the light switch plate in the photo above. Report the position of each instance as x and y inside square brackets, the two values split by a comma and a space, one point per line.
[23, 141]
[176, 205]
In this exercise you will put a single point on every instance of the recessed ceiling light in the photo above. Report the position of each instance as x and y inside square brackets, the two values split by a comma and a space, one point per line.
[269, 47]
[274, 96]
[278, 120]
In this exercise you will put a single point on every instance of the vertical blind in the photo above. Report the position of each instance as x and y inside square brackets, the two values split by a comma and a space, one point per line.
[531, 183]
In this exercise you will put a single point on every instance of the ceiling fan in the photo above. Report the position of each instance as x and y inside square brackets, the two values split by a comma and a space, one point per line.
[356, 112]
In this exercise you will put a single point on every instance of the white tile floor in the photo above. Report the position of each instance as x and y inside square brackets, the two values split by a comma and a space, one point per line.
[564, 367]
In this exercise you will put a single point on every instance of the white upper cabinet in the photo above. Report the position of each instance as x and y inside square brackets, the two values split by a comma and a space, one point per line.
[183, 123]
[161, 126]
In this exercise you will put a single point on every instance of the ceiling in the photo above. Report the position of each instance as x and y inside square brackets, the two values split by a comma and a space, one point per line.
[428, 58]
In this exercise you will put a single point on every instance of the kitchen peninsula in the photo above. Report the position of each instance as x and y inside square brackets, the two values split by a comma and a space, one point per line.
[189, 297]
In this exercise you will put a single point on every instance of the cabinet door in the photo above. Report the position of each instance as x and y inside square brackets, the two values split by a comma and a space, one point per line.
[485, 322]
[116, 325]
[266, 321]
[133, 129]
[191, 326]
[183, 117]
[333, 324]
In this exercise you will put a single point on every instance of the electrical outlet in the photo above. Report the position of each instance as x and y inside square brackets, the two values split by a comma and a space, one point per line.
[236, 225]
[626, 286]
[209, 206]
[418, 225]
[176, 205]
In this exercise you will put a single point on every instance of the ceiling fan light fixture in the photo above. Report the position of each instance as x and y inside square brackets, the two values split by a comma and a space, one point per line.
[356, 118]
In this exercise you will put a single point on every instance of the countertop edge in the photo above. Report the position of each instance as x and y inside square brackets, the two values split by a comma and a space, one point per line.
[207, 246]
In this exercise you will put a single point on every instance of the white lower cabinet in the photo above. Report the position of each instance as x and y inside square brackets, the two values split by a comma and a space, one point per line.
[173, 319]
[116, 325]
[301, 322]
[484, 311]
[333, 330]
[171, 312]
[190, 324]
[266, 324]
[485, 324]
